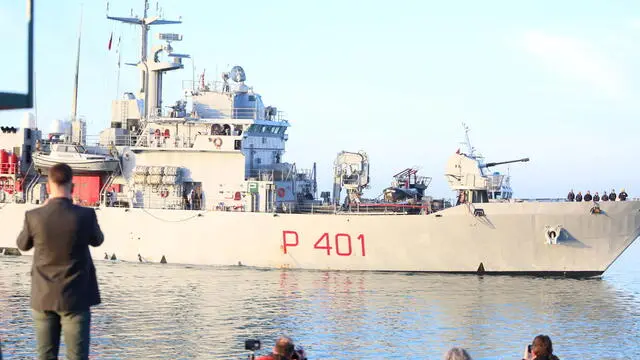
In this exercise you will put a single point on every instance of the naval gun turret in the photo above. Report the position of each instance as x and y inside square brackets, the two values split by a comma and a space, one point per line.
[465, 175]
[504, 162]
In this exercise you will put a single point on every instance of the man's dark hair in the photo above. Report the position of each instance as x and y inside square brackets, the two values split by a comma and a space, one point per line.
[542, 346]
[60, 174]
[284, 348]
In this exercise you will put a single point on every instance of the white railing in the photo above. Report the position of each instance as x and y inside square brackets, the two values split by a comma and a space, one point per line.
[218, 114]
[120, 140]
[146, 139]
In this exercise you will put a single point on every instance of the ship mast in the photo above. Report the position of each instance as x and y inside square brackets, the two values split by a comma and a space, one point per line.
[145, 24]
[74, 104]
[470, 148]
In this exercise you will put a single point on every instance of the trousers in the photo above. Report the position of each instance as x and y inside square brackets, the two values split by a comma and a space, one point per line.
[74, 325]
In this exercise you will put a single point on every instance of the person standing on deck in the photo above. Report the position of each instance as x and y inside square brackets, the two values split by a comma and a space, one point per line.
[571, 196]
[63, 277]
[623, 195]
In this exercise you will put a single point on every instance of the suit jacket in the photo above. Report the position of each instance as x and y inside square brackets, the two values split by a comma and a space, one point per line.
[63, 277]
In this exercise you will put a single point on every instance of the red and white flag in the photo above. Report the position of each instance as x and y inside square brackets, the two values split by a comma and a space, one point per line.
[110, 41]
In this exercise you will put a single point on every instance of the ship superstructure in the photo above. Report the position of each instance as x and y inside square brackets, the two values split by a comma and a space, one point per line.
[204, 181]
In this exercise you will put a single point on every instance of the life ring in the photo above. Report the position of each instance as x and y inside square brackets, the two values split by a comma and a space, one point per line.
[281, 192]
[8, 186]
[164, 192]
[217, 142]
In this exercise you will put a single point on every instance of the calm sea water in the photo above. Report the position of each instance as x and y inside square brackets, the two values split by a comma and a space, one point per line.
[179, 312]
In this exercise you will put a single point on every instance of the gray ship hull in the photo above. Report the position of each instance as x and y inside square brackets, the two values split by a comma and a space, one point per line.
[509, 239]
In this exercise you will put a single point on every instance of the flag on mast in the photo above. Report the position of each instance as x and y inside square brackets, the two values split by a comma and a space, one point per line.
[110, 40]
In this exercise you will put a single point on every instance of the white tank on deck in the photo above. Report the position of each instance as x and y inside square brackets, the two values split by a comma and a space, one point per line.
[61, 127]
[28, 121]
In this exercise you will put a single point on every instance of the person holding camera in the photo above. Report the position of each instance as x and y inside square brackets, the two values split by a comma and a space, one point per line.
[540, 349]
[284, 350]
[457, 353]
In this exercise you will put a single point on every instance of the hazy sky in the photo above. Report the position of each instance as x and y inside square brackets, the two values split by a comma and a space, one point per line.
[554, 81]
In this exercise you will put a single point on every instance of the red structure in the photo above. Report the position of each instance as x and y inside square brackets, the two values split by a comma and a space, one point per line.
[8, 162]
[86, 189]
[4, 161]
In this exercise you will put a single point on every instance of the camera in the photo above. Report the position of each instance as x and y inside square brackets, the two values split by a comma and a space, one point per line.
[529, 348]
[252, 345]
[299, 354]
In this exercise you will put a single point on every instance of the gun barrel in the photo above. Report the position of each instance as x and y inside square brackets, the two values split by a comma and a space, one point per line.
[505, 162]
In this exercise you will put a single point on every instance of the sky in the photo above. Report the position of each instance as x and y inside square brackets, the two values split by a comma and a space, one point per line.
[553, 81]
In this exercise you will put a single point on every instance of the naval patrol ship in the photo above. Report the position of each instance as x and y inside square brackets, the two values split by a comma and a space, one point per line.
[204, 182]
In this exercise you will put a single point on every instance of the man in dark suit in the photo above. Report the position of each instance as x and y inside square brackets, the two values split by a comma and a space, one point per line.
[63, 278]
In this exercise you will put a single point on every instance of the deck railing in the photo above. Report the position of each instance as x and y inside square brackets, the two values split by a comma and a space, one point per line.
[160, 114]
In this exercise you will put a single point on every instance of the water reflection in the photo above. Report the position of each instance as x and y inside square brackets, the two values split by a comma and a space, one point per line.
[166, 311]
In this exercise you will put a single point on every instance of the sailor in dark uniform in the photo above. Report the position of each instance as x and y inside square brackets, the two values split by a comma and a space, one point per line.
[587, 196]
[596, 197]
[612, 195]
[605, 197]
[571, 196]
[623, 195]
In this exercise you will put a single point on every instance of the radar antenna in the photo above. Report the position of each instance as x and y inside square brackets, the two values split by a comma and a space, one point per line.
[145, 23]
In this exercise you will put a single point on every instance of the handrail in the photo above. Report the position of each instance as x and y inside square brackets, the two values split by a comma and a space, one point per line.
[219, 114]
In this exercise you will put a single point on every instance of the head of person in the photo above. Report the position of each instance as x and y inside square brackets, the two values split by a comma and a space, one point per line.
[60, 180]
[457, 353]
[541, 346]
[622, 190]
[284, 348]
